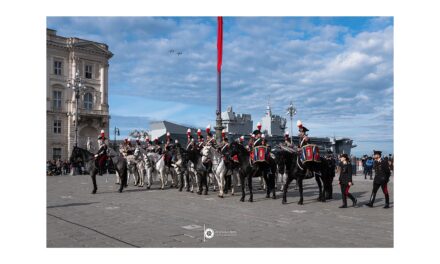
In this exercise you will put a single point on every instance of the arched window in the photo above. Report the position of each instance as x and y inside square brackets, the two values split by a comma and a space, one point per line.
[88, 101]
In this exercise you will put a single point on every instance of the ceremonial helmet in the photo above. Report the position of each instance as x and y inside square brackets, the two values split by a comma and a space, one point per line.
[286, 135]
[378, 152]
[208, 130]
[241, 139]
[300, 126]
[102, 135]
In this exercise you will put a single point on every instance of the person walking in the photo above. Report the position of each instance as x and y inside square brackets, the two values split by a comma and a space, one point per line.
[345, 181]
[381, 179]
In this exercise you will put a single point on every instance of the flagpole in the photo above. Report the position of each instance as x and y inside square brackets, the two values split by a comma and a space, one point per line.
[219, 127]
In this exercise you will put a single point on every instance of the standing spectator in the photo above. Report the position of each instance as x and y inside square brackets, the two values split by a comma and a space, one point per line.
[353, 164]
[364, 159]
[345, 181]
[369, 167]
[391, 162]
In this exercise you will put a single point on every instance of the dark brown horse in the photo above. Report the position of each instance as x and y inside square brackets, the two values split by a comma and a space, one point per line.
[88, 158]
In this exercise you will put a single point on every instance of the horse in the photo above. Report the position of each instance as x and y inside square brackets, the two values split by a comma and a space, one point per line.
[140, 166]
[250, 171]
[181, 166]
[88, 158]
[218, 166]
[158, 161]
[197, 170]
[295, 169]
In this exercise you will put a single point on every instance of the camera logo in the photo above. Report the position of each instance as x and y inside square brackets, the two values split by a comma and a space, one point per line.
[209, 233]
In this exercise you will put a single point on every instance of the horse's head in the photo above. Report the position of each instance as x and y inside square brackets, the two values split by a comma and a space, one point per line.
[238, 149]
[137, 151]
[206, 153]
[76, 154]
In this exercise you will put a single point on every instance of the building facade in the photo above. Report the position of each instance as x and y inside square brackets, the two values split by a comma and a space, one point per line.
[66, 56]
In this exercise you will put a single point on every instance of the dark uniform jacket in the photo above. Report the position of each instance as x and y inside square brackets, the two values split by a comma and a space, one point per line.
[304, 141]
[102, 150]
[258, 142]
[346, 173]
[382, 172]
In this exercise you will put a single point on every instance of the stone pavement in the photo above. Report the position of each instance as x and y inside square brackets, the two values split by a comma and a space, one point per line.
[169, 218]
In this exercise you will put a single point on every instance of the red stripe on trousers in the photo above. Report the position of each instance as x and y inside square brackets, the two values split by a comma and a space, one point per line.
[346, 190]
[385, 188]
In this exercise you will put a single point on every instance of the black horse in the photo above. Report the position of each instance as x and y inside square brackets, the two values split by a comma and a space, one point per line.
[295, 169]
[194, 155]
[88, 158]
[267, 169]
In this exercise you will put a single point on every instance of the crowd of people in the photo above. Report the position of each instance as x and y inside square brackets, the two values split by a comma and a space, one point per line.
[57, 167]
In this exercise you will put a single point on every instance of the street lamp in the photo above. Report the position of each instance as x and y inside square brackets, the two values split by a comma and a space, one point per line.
[291, 111]
[77, 86]
[116, 133]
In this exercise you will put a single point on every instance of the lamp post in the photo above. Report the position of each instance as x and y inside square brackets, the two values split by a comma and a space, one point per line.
[291, 111]
[77, 86]
[116, 133]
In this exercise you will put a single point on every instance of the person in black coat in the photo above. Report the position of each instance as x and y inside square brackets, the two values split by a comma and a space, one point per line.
[381, 178]
[345, 180]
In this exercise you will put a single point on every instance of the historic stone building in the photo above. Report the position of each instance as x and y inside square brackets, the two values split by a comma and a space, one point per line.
[66, 56]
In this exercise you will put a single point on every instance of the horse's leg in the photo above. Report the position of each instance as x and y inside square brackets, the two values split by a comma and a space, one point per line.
[148, 172]
[123, 174]
[318, 181]
[233, 181]
[251, 195]
[162, 179]
[266, 182]
[187, 179]
[180, 175]
[300, 187]
[243, 191]
[272, 179]
[117, 178]
[290, 177]
[93, 175]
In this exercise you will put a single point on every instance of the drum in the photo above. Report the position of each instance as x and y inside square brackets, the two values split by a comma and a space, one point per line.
[309, 153]
[260, 154]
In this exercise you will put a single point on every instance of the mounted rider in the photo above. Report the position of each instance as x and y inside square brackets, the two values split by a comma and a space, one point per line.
[210, 140]
[287, 140]
[257, 134]
[302, 134]
[157, 147]
[226, 153]
[200, 141]
[101, 155]
[167, 149]
[191, 143]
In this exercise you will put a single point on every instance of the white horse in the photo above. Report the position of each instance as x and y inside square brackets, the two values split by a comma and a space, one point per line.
[218, 166]
[140, 165]
[158, 161]
[132, 169]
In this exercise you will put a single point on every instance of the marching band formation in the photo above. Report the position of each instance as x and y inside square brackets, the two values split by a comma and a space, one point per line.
[203, 158]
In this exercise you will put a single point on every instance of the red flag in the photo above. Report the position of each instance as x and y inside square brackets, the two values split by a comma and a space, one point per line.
[219, 43]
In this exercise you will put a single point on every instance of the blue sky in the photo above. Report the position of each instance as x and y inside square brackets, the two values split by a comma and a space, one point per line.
[338, 71]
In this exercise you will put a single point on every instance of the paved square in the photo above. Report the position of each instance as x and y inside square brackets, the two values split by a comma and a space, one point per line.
[169, 218]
